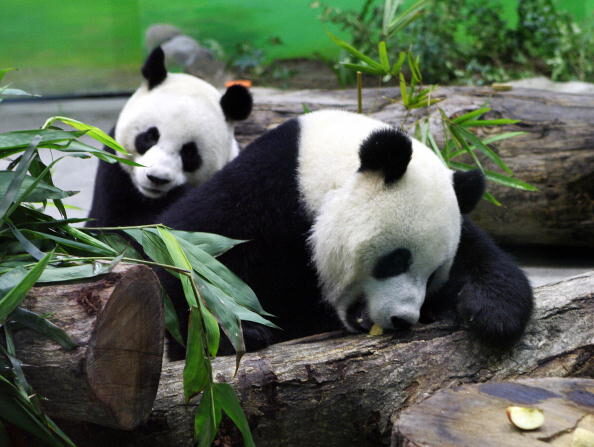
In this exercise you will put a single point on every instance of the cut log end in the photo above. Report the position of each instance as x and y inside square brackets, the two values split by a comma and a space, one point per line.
[112, 378]
[123, 362]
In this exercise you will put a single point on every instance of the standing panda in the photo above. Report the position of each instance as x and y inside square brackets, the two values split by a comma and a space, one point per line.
[352, 223]
[180, 129]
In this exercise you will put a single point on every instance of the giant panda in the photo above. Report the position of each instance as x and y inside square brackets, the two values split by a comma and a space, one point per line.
[351, 223]
[180, 128]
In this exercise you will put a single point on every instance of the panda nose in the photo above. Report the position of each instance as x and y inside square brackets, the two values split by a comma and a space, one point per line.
[400, 324]
[158, 180]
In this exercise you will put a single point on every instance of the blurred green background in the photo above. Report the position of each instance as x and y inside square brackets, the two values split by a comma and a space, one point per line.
[63, 47]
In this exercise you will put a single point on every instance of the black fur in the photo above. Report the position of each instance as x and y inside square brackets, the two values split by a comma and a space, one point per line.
[469, 187]
[154, 70]
[191, 159]
[116, 202]
[489, 293]
[236, 103]
[147, 139]
[386, 150]
[256, 198]
[392, 264]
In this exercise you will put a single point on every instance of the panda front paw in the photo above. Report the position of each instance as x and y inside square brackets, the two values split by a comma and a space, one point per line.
[497, 317]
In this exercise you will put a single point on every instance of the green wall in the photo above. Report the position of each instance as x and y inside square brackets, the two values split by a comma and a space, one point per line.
[94, 46]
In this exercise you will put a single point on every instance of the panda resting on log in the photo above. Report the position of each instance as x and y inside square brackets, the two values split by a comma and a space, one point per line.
[350, 223]
[180, 128]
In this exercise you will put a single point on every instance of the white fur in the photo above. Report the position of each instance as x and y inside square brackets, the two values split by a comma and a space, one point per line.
[183, 108]
[357, 218]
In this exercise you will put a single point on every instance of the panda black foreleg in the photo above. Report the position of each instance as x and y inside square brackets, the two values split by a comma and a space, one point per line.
[493, 297]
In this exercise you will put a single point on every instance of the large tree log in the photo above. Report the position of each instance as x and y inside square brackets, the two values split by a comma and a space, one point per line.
[111, 378]
[556, 154]
[347, 391]
[475, 415]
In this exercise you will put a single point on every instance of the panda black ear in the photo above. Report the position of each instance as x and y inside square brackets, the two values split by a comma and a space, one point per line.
[153, 69]
[469, 187]
[236, 103]
[387, 150]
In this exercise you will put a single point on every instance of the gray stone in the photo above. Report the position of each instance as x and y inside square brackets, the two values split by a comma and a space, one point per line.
[159, 33]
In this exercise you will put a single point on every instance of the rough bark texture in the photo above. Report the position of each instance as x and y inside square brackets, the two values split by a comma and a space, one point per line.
[556, 154]
[473, 415]
[347, 391]
[112, 377]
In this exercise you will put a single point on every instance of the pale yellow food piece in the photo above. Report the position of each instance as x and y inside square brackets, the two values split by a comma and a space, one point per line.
[376, 329]
[582, 438]
[525, 418]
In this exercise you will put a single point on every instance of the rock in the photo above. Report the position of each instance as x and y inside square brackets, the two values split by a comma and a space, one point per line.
[159, 33]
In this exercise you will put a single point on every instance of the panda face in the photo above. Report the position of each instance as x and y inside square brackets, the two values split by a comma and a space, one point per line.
[382, 238]
[177, 131]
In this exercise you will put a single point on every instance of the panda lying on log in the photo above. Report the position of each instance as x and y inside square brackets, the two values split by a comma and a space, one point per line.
[180, 129]
[351, 223]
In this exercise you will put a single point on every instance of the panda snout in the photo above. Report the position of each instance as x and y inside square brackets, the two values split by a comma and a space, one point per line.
[159, 181]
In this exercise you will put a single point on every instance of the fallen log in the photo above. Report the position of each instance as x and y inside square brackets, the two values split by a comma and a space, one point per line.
[476, 415]
[111, 378]
[334, 390]
[556, 154]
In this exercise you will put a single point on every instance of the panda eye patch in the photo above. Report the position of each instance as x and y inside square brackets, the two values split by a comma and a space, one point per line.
[392, 264]
[147, 139]
[190, 156]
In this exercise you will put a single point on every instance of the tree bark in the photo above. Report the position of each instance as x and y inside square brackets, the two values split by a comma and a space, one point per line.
[476, 415]
[556, 154]
[111, 378]
[334, 390]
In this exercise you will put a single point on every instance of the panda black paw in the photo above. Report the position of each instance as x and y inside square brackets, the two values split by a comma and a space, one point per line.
[497, 318]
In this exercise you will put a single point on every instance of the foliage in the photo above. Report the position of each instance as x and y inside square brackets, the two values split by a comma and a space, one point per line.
[469, 41]
[36, 248]
[459, 139]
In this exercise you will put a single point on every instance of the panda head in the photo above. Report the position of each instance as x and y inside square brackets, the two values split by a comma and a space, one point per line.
[179, 127]
[387, 235]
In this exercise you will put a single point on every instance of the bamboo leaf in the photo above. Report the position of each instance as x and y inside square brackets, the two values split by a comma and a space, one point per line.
[25, 243]
[197, 370]
[21, 139]
[41, 191]
[92, 131]
[410, 15]
[15, 181]
[484, 123]
[213, 244]
[207, 419]
[225, 396]
[497, 178]
[220, 276]
[75, 272]
[358, 54]
[502, 136]
[491, 198]
[490, 153]
[470, 115]
[42, 326]
[213, 333]
[171, 320]
[16, 295]
[397, 67]
[88, 239]
[403, 91]
[390, 8]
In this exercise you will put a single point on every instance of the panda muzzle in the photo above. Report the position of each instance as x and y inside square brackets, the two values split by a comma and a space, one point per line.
[357, 315]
